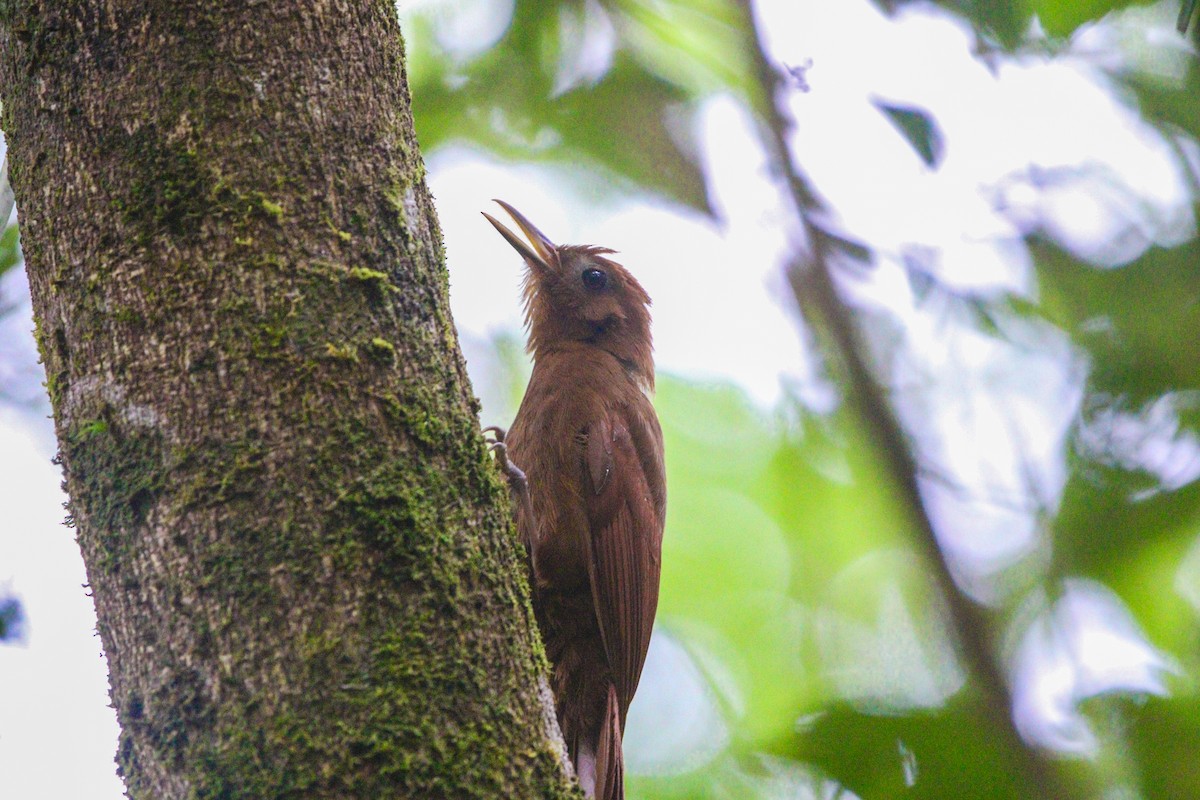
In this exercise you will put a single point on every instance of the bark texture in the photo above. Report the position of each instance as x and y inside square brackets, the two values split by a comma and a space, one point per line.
[302, 562]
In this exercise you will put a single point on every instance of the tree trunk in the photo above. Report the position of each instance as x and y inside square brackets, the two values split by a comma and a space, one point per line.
[302, 561]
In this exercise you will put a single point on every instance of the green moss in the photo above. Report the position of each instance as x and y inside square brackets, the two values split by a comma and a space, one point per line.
[10, 11]
[272, 208]
[395, 200]
[341, 352]
[171, 188]
[342, 235]
[115, 476]
[128, 316]
[382, 350]
[382, 721]
[384, 726]
[274, 335]
[25, 22]
[383, 344]
[88, 429]
[373, 278]
[269, 260]
[367, 275]
[420, 413]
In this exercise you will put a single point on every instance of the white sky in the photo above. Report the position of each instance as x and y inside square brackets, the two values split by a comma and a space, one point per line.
[721, 312]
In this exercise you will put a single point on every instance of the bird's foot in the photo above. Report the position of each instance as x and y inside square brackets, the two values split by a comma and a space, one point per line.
[515, 475]
[518, 484]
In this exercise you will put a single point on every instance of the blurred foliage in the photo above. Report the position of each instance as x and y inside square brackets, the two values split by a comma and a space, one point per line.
[10, 249]
[12, 620]
[21, 375]
[802, 649]
[1006, 22]
[611, 83]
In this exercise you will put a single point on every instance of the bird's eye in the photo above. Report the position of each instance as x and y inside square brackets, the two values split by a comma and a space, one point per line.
[595, 279]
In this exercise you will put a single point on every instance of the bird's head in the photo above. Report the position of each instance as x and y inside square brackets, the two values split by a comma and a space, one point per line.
[575, 293]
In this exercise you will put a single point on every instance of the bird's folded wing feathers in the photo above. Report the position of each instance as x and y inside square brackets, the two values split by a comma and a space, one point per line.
[625, 521]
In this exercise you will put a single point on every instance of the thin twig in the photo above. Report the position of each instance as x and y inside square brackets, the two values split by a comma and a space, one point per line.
[1185, 15]
[812, 282]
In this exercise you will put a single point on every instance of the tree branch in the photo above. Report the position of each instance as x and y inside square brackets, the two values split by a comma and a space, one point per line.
[811, 279]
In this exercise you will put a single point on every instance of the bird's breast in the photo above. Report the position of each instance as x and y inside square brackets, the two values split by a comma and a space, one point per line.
[566, 394]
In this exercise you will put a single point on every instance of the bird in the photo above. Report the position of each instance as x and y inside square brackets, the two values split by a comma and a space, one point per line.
[584, 459]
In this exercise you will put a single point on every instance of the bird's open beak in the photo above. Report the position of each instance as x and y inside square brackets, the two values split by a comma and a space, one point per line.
[540, 252]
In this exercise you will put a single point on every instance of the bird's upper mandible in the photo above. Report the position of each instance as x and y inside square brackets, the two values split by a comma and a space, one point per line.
[577, 294]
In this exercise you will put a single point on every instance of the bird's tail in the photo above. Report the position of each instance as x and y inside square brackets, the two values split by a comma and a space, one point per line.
[610, 765]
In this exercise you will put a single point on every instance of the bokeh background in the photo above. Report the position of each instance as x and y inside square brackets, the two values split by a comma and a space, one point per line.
[1019, 180]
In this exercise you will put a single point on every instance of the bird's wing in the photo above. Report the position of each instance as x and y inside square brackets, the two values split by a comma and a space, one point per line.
[625, 498]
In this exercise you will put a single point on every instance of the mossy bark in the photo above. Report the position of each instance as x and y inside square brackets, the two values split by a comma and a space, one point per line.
[302, 562]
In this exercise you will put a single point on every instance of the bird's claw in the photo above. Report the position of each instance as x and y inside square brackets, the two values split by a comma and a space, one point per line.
[518, 484]
[496, 445]
[516, 476]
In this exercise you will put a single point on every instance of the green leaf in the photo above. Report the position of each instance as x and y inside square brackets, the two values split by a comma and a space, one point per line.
[949, 753]
[1165, 739]
[918, 127]
[1003, 21]
[1140, 323]
[699, 44]
[1062, 17]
